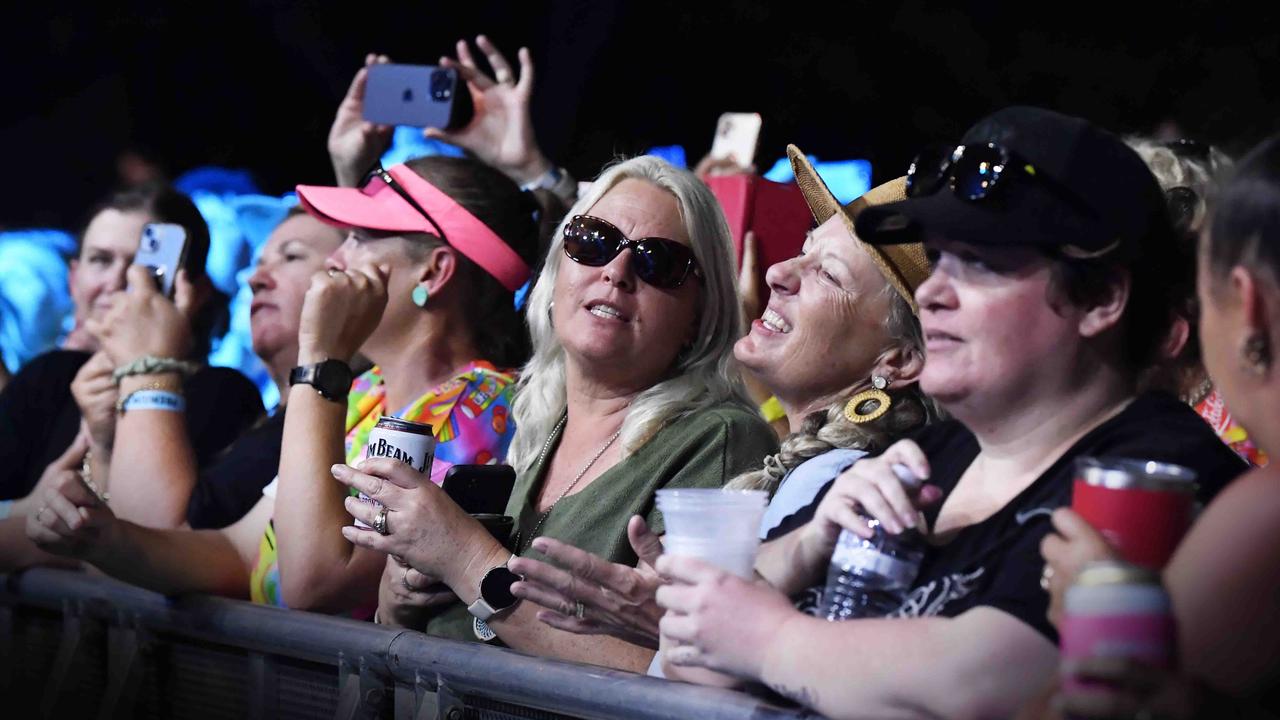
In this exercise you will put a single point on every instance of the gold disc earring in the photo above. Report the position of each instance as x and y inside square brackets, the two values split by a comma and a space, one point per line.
[869, 404]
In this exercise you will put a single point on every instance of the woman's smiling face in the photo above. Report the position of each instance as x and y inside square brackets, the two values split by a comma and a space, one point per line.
[824, 326]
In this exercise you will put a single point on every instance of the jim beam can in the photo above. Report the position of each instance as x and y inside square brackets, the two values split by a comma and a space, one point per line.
[1116, 609]
[409, 442]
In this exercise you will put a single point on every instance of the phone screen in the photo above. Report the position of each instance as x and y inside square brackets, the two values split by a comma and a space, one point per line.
[736, 138]
[161, 249]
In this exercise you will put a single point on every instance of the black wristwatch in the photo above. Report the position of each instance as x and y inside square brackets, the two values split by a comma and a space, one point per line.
[331, 378]
[495, 592]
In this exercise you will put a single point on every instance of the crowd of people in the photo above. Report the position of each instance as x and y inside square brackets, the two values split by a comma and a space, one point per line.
[944, 349]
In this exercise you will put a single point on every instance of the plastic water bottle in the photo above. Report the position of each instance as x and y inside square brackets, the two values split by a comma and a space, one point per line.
[871, 578]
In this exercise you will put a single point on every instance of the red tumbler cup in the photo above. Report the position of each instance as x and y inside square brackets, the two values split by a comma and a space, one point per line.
[1143, 508]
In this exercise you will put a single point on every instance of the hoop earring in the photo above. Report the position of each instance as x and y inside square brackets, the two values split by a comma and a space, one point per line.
[551, 313]
[1256, 355]
[420, 295]
[870, 404]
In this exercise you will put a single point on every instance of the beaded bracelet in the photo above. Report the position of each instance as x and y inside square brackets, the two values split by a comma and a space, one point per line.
[152, 365]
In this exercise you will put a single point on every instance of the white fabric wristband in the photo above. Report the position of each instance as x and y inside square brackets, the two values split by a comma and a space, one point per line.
[155, 400]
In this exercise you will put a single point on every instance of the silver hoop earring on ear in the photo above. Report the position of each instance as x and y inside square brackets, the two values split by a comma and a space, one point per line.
[551, 313]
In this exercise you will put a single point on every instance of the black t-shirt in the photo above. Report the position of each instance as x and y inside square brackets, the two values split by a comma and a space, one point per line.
[39, 417]
[997, 562]
[232, 485]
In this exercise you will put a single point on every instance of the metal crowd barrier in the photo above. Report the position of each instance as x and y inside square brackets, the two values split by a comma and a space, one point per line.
[75, 645]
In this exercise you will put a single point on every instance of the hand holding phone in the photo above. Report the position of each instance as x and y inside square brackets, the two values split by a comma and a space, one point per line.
[416, 95]
[480, 489]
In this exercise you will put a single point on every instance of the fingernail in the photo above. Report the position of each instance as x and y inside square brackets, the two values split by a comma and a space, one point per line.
[338, 470]
[539, 544]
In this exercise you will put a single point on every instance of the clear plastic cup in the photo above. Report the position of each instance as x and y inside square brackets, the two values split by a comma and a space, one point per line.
[721, 527]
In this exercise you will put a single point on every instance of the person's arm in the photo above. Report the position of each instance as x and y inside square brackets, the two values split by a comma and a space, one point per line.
[1230, 556]
[319, 570]
[984, 663]
[170, 562]
[152, 467]
[355, 144]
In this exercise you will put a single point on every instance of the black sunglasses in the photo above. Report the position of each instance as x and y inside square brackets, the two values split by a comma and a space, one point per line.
[973, 172]
[377, 172]
[657, 261]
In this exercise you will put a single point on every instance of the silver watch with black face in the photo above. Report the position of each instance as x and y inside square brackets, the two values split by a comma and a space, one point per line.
[495, 592]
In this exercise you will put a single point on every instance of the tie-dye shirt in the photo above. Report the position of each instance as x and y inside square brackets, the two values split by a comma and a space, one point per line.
[469, 415]
[1213, 408]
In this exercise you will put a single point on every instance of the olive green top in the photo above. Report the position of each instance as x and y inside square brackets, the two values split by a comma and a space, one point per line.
[705, 449]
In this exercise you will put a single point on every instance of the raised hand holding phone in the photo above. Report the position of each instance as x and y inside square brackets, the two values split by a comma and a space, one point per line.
[354, 142]
[501, 130]
[142, 321]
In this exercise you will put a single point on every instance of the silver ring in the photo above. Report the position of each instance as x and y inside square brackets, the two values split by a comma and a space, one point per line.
[40, 514]
[579, 610]
[333, 273]
[380, 521]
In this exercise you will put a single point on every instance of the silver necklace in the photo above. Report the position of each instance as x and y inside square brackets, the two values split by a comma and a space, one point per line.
[542, 458]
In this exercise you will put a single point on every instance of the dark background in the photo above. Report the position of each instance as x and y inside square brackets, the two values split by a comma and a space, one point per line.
[252, 84]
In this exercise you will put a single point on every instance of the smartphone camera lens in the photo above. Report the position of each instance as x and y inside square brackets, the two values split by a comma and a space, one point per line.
[441, 86]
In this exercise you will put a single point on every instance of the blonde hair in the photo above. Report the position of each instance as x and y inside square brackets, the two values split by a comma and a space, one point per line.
[828, 428]
[1175, 169]
[704, 375]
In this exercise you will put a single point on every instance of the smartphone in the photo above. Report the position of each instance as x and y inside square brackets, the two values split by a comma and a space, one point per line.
[480, 489]
[162, 250]
[736, 138]
[416, 95]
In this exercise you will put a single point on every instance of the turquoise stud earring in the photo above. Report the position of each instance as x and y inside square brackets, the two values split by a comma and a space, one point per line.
[420, 295]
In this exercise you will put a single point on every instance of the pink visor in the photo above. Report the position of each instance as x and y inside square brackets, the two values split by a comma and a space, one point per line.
[377, 206]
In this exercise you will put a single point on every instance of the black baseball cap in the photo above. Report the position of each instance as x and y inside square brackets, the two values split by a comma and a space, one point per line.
[1081, 192]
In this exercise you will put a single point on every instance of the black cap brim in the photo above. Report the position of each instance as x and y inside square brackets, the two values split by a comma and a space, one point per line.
[1023, 215]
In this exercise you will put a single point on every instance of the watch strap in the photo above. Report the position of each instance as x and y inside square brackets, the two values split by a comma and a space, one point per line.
[321, 376]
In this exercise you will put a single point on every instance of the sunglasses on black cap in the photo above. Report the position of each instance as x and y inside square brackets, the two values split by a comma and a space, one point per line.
[658, 261]
[973, 172]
